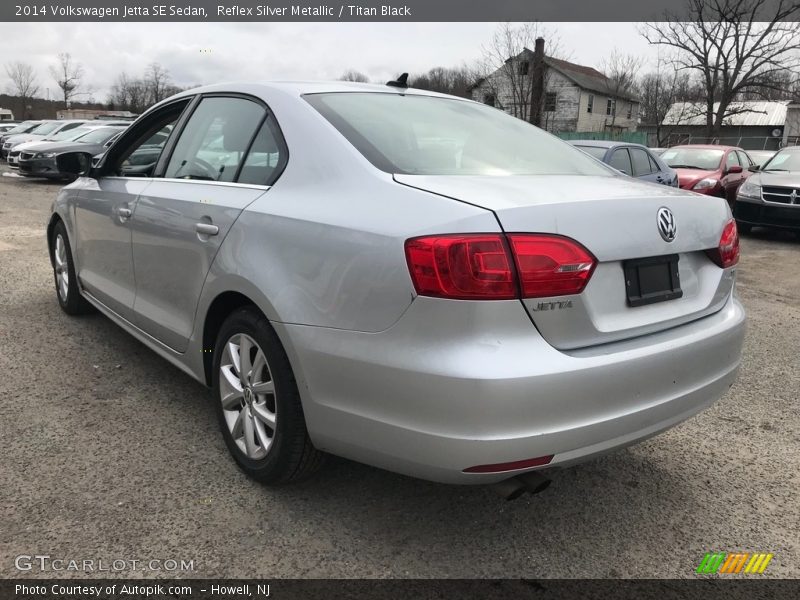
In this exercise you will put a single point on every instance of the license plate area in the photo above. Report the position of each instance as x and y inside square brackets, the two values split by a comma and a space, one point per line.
[653, 279]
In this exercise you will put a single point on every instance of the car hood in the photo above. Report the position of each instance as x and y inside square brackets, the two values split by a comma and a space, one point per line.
[692, 176]
[37, 146]
[21, 138]
[791, 179]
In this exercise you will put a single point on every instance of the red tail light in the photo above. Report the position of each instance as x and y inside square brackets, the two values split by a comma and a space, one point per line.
[498, 267]
[727, 253]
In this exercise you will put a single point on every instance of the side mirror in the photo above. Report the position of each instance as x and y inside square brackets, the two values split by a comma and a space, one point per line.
[78, 164]
[734, 169]
[754, 168]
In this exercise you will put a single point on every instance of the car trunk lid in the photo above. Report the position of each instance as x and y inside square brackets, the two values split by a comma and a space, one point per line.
[615, 218]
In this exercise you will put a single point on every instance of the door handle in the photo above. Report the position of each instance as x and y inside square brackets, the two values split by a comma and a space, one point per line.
[206, 229]
[124, 213]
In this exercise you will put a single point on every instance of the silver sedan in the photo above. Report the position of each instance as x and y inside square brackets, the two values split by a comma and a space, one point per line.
[410, 280]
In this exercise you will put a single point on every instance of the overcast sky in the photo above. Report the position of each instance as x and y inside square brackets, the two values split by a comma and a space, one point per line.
[199, 53]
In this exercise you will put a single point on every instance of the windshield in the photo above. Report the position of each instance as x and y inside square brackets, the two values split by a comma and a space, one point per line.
[596, 151]
[21, 128]
[98, 135]
[46, 128]
[69, 134]
[783, 161]
[426, 135]
[707, 159]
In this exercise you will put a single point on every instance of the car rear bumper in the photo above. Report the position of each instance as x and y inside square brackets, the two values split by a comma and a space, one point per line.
[783, 216]
[454, 385]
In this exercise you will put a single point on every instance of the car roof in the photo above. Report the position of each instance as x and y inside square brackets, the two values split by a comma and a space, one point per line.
[605, 143]
[706, 147]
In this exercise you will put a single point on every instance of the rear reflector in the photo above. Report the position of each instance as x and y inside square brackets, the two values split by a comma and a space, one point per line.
[511, 466]
[727, 253]
[497, 266]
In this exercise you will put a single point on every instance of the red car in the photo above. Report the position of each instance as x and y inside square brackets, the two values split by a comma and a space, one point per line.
[709, 169]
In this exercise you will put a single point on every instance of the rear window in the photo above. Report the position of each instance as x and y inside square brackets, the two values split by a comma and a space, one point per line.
[706, 159]
[596, 151]
[426, 135]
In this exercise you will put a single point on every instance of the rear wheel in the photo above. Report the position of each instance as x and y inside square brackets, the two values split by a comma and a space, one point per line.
[69, 297]
[257, 402]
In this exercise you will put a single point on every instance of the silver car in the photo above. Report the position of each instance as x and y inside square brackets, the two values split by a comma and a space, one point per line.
[410, 280]
[771, 196]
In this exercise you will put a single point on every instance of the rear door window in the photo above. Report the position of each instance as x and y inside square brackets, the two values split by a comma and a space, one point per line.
[641, 162]
[266, 157]
[621, 160]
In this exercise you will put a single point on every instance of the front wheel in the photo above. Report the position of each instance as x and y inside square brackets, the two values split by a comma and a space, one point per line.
[69, 297]
[257, 402]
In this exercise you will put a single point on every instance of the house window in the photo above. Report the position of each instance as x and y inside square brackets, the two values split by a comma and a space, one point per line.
[590, 104]
[550, 102]
[489, 99]
[523, 67]
[611, 108]
[630, 110]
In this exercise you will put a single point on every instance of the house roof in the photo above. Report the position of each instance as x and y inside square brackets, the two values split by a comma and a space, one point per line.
[754, 114]
[585, 77]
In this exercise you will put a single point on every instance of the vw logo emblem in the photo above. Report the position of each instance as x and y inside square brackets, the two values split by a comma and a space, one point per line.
[666, 224]
[793, 196]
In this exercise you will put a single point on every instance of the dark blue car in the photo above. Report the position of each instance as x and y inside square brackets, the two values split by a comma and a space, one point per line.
[632, 159]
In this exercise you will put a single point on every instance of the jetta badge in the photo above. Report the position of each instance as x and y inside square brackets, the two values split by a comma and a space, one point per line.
[666, 224]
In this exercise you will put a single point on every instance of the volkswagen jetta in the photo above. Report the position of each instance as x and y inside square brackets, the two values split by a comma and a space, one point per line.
[410, 280]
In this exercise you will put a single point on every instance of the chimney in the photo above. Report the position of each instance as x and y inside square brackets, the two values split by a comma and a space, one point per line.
[537, 85]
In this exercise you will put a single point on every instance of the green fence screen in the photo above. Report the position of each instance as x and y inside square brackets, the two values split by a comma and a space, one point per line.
[633, 137]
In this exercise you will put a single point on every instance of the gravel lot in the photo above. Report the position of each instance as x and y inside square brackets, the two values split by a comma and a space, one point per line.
[111, 453]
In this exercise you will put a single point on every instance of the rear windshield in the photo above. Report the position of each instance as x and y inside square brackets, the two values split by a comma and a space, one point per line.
[595, 151]
[99, 136]
[427, 135]
[69, 134]
[46, 128]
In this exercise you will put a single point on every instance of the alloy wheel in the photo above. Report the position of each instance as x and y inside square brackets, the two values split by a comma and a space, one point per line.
[247, 393]
[62, 268]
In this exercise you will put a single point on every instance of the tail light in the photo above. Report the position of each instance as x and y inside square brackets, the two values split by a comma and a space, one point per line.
[727, 253]
[498, 266]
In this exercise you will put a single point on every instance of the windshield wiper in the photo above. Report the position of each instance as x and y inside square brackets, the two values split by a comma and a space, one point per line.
[685, 167]
[767, 170]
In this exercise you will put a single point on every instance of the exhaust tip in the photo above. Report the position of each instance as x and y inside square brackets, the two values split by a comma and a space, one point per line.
[513, 488]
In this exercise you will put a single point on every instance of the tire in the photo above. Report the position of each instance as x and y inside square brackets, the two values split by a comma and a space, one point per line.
[264, 428]
[743, 228]
[67, 292]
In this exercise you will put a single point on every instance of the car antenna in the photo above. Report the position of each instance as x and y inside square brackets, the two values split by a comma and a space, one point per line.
[401, 82]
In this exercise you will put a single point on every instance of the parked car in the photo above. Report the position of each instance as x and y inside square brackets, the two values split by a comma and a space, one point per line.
[24, 127]
[7, 126]
[40, 159]
[710, 169]
[632, 159]
[760, 157]
[65, 135]
[424, 284]
[44, 130]
[771, 197]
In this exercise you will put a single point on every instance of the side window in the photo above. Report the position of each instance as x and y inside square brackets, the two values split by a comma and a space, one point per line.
[590, 103]
[745, 159]
[621, 161]
[641, 162]
[654, 168]
[732, 159]
[213, 143]
[140, 147]
[266, 157]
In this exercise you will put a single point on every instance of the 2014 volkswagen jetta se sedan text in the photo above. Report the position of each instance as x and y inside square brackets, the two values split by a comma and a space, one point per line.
[409, 280]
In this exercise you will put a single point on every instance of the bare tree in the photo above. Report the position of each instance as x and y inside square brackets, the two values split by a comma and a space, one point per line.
[507, 69]
[456, 81]
[129, 93]
[158, 82]
[23, 83]
[353, 75]
[621, 71]
[734, 47]
[665, 92]
[68, 76]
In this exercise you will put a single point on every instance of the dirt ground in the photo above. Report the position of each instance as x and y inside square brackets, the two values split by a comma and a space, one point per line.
[111, 453]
